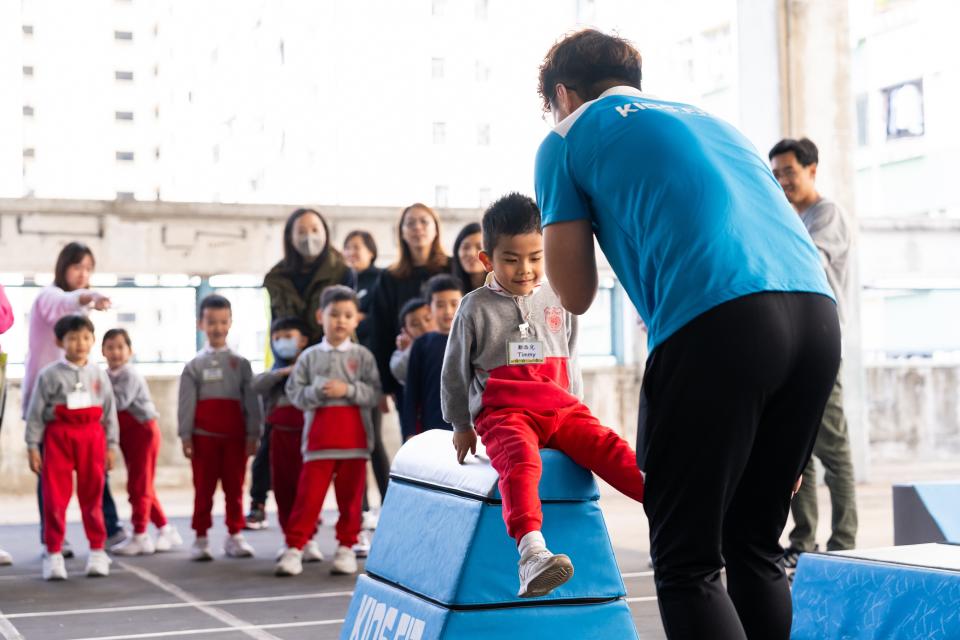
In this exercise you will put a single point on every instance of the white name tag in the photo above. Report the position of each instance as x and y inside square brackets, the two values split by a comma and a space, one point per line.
[213, 374]
[525, 352]
[79, 400]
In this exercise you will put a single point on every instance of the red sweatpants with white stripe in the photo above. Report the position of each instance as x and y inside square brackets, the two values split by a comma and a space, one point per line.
[348, 484]
[286, 461]
[218, 459]
[513, 439]
[140, 444]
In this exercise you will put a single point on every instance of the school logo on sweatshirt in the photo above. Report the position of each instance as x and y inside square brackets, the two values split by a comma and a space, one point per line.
[353, 365]
[554, 319]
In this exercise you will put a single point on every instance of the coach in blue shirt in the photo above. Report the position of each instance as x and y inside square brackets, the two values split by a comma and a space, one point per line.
[743, 330]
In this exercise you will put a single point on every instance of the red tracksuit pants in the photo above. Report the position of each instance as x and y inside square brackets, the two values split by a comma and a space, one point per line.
[286, 461]
[140, 444]
[222, 459]
[73, 442]
[348, 484]
[513, 439]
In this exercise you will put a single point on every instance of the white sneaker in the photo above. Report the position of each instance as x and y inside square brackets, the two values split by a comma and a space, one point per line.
[53, 567]
[168, 538]
[290, 563]
[5, 558]
[139, 544]
[362, 548]
[344, 562]
[98, 564]
[370, 520]
[236, 547]
[65, 549]
[541, 572]
[200, 551]
[311, 552]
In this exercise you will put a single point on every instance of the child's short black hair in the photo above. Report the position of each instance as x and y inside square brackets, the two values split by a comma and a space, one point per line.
[338, 293]
[410, 306]
[117, 333]
[512, 215]
[440, 283]
[72, 322]
[214, 301]
[290, 323]
[804, 149]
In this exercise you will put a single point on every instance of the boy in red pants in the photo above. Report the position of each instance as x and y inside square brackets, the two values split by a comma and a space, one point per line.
[72, 414]
[337, 386]
[140, 444]
[510, 369]
[219, 422]
[284, 422]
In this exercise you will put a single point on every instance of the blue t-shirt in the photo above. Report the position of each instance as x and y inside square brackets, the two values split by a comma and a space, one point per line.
[686, 212]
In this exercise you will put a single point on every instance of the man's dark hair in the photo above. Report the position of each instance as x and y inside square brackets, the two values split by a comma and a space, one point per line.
[214, 301]
[71, 254]
[117, 333]
[410, 306]
[589, 62]
[440, 283]
[338, 293]
[290, 323]
[512, 215]
[72, 322]
[804, 149]
[367, 239]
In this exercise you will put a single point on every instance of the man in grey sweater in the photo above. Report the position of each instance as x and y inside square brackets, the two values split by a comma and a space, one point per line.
[794, 165]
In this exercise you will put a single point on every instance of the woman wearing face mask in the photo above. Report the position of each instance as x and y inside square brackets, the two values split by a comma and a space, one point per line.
[467, 267]
[309, 266]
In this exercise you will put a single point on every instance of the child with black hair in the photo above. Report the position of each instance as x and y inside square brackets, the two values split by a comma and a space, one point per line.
[140, 444]
[510, 375]
[219, 423]
[420, 409]
[337, 386]
[415, 320]
[72, 414]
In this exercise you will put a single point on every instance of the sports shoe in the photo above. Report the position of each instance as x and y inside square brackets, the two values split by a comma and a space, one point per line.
[370, 520]
[791, 555]
[5, 558]
[362, 548]
[257, 518]
[236, 547]
[344, 562]
[168, 538]
[541, 572]
[66, 549]
[53, 567]
[120, 536]
[311, 552]
[200, 552]
[290, 563]
[98, 564]
[139, 544]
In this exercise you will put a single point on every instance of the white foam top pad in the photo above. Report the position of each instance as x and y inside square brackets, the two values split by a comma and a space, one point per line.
[431, 458]
[933, 555]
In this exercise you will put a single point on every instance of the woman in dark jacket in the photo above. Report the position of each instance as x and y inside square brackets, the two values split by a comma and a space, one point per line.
[360, 253]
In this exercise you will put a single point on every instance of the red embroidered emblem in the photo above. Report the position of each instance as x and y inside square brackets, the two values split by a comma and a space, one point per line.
[353, 365]
[234, 363]
[554, 318]
[97, 387]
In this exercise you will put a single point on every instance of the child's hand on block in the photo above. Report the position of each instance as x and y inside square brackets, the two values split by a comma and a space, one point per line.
[111, 459]
[335, 389]
[187, 449]
[251, 446]
[33, 456]
[464, 441]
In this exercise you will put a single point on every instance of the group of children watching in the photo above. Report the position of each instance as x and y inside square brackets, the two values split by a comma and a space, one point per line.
[499, 363]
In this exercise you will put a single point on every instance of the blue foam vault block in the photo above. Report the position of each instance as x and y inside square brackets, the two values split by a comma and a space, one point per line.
[928, 512]
[888, 594]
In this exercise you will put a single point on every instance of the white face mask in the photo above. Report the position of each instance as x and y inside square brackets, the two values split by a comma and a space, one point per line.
[309, 245]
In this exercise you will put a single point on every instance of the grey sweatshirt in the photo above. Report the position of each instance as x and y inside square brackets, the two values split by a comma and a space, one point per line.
[217, 374]
[54, 383]
[477, 374]
[321, 363]
[131, 392]
[399, 360]
[828, 226]
[270, 386]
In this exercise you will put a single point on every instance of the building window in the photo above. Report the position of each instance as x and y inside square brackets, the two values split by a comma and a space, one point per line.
[28, 29]
[438, 7]
[483, 135]
[481, 72]
[28, 70]
[441, 195]
[437, 68]
[29, 152]
[123, 35]
[156, 153]
[124, 115]
[484, 199]
[863, 129]
[123, 75]
[904, 108]
[439, 132]
[28, 111]
[125, 156]
[125, 195]
[480, 9]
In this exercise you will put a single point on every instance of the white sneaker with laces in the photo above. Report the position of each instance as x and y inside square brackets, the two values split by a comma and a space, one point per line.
[98, 564]
[168, 538]
[541, 572]
[290, 563]
[200, 551]
[54, 567]
[236, 547]
[370, 520]
[311, 552]
[139, 544]
[362, 548]
[5, 558]
[344, 562]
